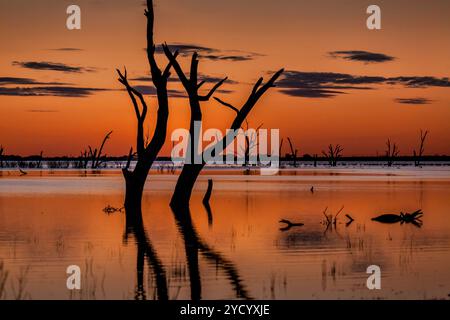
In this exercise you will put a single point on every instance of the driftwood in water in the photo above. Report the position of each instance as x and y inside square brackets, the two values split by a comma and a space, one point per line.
[388, 218]
[206, 199]
[289, 224]
[413, 218]
[208, 192]
[350, 220]
[110, 209]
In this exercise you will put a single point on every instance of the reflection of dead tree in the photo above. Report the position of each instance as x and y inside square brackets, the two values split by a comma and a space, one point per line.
[330, 219]
[418, 154]
[333, 154]
[97, 158]
[293, 155]
[145, 250]
[146, 152]
[191, 170]
[391, 152]
[195, 245]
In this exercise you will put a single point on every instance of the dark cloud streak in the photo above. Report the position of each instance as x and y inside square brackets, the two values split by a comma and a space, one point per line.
[415, 101]
[54, 91]
[362, 56]
[25, 81]
[52, 66]
[330, 84]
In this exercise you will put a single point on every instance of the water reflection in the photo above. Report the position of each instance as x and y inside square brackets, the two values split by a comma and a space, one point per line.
[194, 246]
[49, 222]
[135, 228]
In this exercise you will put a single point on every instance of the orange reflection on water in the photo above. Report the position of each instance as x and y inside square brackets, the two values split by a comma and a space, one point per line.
[50, 221]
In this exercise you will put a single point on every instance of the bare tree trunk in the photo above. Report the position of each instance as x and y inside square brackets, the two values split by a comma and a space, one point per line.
[146, 154]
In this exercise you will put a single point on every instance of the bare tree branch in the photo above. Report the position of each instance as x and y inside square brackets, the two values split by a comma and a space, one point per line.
[228, 105]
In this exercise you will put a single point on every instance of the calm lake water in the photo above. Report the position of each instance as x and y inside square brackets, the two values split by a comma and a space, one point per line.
[50, 220]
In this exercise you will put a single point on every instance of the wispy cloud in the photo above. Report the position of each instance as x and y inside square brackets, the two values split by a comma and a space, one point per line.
[54, 91]
[211, 53]
[42, 111]
[330, 84]
[25, 81]
[413, 100]
[52, 66]
[66, 49]
[361, 56]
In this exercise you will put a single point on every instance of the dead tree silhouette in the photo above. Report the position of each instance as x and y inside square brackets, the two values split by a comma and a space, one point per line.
[1, 156]
[97, 158]
[419, 154]
[94, 156]
[39, 162]
[293, 152]
[333, 154]
[251, 141]
[146, 152]
[191, 170]
[391, 152]
[195, 245]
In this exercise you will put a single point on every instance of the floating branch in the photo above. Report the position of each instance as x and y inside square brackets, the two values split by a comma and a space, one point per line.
[350, 220]
[206, 204]
[414, 218]
[110, 210]
[207, 196]
[289, 224]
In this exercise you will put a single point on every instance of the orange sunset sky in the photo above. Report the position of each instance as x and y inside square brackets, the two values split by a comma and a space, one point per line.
[344, 83]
